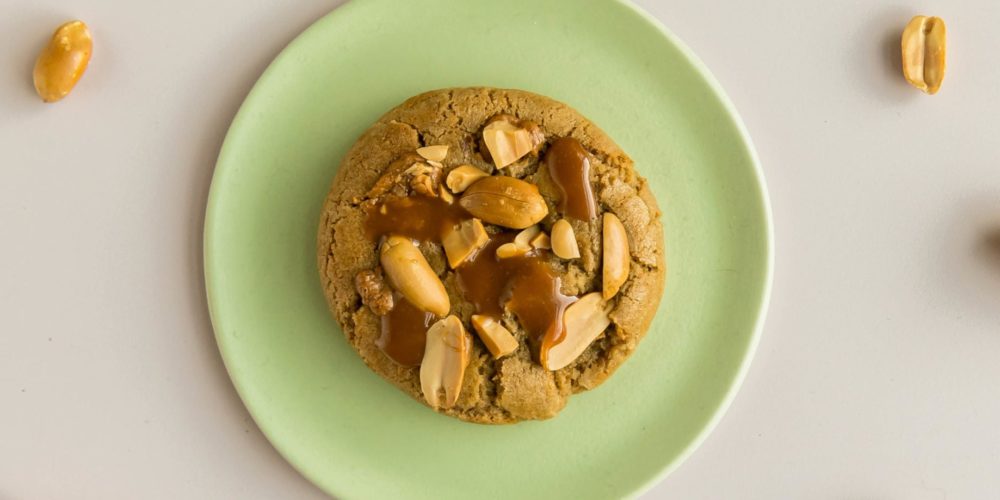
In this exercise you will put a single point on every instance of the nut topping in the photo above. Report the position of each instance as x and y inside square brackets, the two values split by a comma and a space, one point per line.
[584, 321]
[446, 195]
[374, 292]
[507, 143]
[505, 201]
[423, 184]
[462, 240]
[521, 244]
[563, 240]
[462, 177]
[497, 271]
[508, 250]
[616, 255]
[411, 275]
[523, 239]
[434, 153]
[446, 354]
[417, 169]
[541, 242]
[424, 179]
[497, 338]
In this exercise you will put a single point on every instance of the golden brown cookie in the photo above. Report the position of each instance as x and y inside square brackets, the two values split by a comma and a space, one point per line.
[490, 252]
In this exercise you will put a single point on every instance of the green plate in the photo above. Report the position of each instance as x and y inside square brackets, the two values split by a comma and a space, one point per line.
[355, 435]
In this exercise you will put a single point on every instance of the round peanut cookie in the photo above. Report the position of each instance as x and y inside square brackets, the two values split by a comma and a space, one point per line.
[490, 252]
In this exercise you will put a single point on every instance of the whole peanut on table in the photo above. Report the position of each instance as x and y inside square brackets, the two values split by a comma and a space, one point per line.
[63, 61]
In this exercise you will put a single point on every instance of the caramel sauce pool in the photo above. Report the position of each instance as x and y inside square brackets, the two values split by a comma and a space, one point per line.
[404, 329]
[569, 167]
[525, 284]
[404, 332]
[418, 217]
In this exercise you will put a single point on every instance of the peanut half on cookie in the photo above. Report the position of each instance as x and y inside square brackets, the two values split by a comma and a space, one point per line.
[490, 252]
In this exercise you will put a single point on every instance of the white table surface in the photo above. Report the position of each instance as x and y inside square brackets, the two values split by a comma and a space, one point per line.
[878, 375]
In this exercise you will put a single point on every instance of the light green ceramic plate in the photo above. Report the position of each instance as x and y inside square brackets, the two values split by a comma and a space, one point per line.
[355, 435]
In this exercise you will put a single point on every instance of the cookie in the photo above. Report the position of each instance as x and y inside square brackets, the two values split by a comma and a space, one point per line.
[490, 252]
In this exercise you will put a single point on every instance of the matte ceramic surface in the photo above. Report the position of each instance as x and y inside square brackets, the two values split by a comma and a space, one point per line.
[355, 435]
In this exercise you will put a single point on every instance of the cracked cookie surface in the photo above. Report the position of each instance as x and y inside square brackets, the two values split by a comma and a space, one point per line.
[381, 166]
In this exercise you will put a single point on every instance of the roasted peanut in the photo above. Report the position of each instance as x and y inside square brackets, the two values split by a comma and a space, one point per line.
[446, 195]
[446, 354]
[506, 142]
[505, 201]
[461, 177]
[923, 46]
[523, 239]
[541, 242]
[617, 258]
[521, 244]
[583, 321]
[374, 292]
[462, 240]
[434, 153]
[424, 178]
[563, 240]
[497, 338]
[509, 250]
[63, 61]
[411, 275]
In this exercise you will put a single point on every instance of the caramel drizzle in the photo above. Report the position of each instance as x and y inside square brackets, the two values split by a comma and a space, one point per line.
[404, 328]
[526, 285]
[404, 332]
[569, 167]
[419, 217]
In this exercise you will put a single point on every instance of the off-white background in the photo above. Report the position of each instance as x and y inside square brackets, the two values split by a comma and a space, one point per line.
[878, 375]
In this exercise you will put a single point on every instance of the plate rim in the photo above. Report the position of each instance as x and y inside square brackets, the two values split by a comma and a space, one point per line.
[762, 309]
[212, 216]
